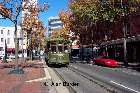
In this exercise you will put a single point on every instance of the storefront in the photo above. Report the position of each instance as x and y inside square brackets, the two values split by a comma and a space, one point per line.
[75, 51]
[115, 50]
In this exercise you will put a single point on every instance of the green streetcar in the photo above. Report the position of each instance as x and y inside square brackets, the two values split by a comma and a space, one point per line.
[58, 52]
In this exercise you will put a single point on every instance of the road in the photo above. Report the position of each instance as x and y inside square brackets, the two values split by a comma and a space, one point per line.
[83, 85]
[119, 80]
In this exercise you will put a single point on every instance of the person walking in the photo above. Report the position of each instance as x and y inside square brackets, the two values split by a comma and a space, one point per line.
[41, 54]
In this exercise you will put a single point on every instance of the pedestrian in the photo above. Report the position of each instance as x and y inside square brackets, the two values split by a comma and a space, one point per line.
[104, 54]
[41, 54]
[46, 55]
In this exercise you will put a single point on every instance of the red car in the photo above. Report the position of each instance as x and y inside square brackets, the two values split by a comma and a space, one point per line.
[106, 62]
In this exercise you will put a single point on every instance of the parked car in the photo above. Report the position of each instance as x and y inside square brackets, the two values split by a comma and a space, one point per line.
[104, 61]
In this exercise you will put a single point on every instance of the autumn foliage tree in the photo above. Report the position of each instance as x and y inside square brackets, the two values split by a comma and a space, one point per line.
[95, 14]
[62, 33]
[33, 26]
[38, 37]
[11, 9]
[102, 18]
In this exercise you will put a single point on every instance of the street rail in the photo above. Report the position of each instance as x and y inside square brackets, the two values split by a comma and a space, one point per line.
[109, 86]
[70, 88]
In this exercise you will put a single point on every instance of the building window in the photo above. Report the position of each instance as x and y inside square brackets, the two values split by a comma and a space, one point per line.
[1, 31]
[8, 33]
[8, 41]
[1, 48]
[1, 39]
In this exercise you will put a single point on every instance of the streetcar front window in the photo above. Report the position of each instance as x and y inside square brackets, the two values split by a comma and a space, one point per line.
[60, 49]
[53, 48]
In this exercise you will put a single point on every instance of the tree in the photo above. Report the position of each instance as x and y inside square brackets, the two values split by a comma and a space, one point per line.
[104, 13]
[11, 9]
[32, 25]
[38, 37]
[84, 16]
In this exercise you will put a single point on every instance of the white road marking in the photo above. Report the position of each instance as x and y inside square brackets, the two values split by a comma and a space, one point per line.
[37, 80]
[124, 86]
[47, 74]
[75, 67]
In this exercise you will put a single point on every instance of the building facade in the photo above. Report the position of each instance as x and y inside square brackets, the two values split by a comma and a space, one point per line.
[54, 23]
[114, 45]
[7, 42]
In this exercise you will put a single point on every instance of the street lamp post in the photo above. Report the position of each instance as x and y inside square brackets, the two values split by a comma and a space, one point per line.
[5, 56]
[124, 7]
[22, 38]
[92, 37]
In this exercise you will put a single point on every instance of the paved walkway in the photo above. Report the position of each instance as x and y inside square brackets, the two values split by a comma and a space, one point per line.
[20, 83]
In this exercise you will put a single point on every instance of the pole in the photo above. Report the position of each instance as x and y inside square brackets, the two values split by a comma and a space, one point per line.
[92, 41]
[22, 45]
[5, 56]
[31, 46]
[106, 49]
[125, 41]
[125, 51]
[17, 69]
[39, 52]
[124, 33]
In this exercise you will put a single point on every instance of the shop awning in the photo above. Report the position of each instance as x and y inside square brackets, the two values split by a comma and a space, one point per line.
[10, 49]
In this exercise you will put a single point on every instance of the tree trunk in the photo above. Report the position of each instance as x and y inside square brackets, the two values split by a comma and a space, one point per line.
[16, 44]
[22, 46]
[30, 43]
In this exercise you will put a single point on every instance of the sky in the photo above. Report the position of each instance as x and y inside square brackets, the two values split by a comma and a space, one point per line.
[55, 7]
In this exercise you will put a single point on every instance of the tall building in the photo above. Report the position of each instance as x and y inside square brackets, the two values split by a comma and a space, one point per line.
[54, 23]
[7, 42]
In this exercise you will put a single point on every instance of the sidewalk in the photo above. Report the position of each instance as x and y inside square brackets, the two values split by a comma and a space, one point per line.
[18, 83]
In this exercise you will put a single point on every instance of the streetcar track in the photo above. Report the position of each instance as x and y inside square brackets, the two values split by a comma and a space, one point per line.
[109, 86]
[90, 78]
[70, 88]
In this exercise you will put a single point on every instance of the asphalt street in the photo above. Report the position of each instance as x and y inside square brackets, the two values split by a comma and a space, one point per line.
[115, 76]
[84, 85]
